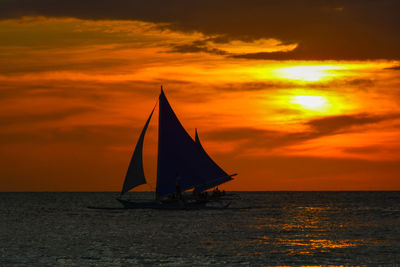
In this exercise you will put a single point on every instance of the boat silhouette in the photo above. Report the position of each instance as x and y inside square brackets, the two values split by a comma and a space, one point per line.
[182, 165]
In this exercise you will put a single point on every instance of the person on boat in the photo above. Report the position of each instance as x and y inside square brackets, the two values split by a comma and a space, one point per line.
[216, 192]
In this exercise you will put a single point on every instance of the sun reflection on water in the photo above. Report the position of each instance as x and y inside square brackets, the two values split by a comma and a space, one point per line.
[303, 230]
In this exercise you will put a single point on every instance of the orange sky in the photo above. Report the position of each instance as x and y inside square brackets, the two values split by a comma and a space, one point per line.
[287, 111]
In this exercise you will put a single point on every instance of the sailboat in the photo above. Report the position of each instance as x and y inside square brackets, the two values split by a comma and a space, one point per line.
[182, 165]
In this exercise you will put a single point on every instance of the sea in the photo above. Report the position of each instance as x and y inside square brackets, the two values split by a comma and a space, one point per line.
[257, 229]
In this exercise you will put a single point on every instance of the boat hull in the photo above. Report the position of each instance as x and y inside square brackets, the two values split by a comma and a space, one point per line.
[175, 205]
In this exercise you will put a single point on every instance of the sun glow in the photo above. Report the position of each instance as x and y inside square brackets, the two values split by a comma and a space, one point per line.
[308, 73]
[311, 102]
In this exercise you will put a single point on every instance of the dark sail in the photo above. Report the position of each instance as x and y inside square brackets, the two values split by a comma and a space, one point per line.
[217, 175]
[179, 155]
[135, 174]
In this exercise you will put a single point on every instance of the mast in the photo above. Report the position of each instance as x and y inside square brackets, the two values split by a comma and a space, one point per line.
[158, 145]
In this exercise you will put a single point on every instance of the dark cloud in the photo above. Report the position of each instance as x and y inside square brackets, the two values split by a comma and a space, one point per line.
[360, 83]
[339, 29]
[196, 47]
[255, 138]
[315, 52]
[270, 56]
[338, 124]
[259, 138]
[393, 68]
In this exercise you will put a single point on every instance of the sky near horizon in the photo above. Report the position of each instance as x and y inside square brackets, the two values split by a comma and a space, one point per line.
[292, 95]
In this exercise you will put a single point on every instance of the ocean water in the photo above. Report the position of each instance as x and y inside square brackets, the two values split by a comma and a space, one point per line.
[258, 229]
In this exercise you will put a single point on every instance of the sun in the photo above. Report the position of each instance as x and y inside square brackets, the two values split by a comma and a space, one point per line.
[311, 102]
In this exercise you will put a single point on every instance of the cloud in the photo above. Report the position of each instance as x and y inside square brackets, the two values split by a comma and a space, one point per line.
[336, 124]
[43, 117]
[90, 91]
[333, 85]
[239, 133]
[232, 48]
[101, 136]
[196, 48]
[68, 64]
[314, 52]
[249, 138]
[360, 83]
[393, 68]
[323, 29]
[365, 149]
[253, 138]
[254, 86]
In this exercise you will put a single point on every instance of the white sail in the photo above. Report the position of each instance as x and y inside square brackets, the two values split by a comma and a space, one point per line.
[135, 174]
[179, 155]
